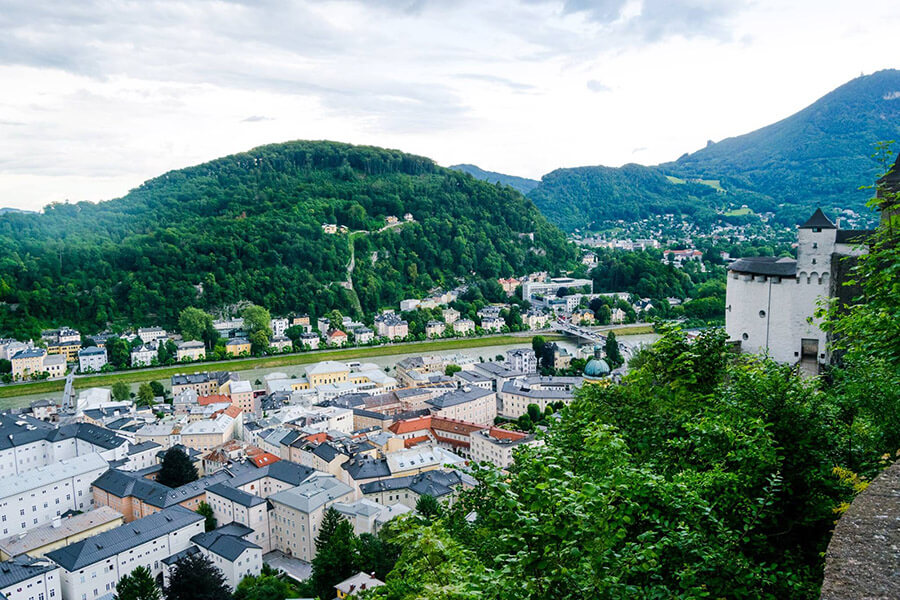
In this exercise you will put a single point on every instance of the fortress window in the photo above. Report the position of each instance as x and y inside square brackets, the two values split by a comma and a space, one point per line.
[744, 336]
[813, 261]
[762, 314]
[815, 245]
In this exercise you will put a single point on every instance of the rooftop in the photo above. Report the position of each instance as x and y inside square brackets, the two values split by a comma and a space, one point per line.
[313, 493]
[50, 533]
[110, 543]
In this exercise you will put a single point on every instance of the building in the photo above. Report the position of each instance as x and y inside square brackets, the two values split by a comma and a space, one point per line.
[27, 363]
[450, 315]
[435, 329]
[281, 343]
[55, 365]
[60, 532]
[361, 581]
[522, 359]
[310, 340]
[202, 383]
[530, 289]
[496, 446]
[209, 433]
[363, 335]
[463, 326]
[237, 347]
[279, 326]
[191, 350]
[91, 359]
[515, 395]
[445, 433]
[93, 567]
[142, 356]
[151, 335]
[770, 302]
[232, 505]
[68, 348]
[328, 371]
[494, 324]
[26, 578]
[38, 496]
[391, 326]
[409, 304]
[335, 337]
[443, 485]
[536, 319]
[235, 556]
[240, 393]
[329, 228]
[297, 513]
[470, 404]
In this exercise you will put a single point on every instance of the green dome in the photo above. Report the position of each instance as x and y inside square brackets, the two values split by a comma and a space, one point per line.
[596, 367]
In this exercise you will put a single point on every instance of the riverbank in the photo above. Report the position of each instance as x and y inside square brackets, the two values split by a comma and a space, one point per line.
[282, 360]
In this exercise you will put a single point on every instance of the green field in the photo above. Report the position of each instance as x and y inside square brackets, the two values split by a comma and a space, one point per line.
[162, 373]
[739, 212]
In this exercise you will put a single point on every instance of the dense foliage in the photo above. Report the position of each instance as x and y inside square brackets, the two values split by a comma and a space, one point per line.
[248, 227]
[581, 197]
[137, 585]
[522, 184]
[818, 156]
[704, 475]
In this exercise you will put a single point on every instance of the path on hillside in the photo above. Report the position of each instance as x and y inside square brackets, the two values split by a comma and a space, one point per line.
[351, 264]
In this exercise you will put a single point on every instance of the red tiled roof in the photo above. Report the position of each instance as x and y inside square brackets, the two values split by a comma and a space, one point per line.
[455, 426]
[506, 434]
[233, 411]
[452, 441]
[415, 440]
[266, 458]
[317, 438]
[213, 399]
[410, 425]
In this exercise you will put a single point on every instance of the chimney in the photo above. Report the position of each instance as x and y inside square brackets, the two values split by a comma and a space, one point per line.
[57, 521]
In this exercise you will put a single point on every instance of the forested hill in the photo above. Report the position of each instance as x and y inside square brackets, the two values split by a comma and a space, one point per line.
[522, 184]
[820, 155]
[577, 198]
[249, 227]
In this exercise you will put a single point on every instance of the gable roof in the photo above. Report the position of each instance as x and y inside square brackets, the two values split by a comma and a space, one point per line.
[765, 265]
[228, 546]
[818, 220]
[235, 495]
[110, 543]
[21, 568]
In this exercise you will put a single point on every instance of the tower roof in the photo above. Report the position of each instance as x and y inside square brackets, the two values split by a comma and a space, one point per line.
[818, 220]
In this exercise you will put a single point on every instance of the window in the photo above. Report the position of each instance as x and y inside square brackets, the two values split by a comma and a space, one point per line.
[762, 314]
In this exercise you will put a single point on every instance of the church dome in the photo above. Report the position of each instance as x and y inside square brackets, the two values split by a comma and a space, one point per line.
[596, 367]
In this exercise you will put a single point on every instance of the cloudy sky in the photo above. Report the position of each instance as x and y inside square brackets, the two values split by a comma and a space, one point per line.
[98, 96]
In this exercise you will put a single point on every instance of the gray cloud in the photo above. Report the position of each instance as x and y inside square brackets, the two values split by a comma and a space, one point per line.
[598, 86]
[256, 119]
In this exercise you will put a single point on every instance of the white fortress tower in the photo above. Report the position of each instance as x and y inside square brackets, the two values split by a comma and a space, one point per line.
[770, 302]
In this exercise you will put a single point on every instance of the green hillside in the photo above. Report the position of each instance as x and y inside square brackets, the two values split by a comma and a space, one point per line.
[577, 198]
[522, 184]
[820, 155]
[248, 227]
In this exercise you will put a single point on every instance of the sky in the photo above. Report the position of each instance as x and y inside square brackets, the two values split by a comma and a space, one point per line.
[97, 96]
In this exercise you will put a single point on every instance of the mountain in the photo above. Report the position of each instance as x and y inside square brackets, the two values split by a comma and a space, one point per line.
[249, 227]
[522, 184]
[819, 156]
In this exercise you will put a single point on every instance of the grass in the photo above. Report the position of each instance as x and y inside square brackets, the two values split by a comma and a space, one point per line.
[633, 330]
[739, 212]
[241, 364]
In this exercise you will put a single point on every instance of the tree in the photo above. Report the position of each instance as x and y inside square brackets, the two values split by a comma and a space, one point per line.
[265, 586]
[138, 585]
[195, 577]
[534, 412]
[336, 558]
[145, 395]
[258, 323]
[177, 469]
[118, 351]
[194, 323]
[5, 365]
[206, 510]
[158, 389]
[449, 370]
[428, 506]
[525, 423]
[611, 349]
[121, 391]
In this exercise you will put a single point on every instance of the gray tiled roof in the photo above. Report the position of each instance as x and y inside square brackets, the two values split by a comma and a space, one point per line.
[228, 546]
[459, 396]
[110, 543]
[235, 495]
[19, 569]
[765, 265]
[366, 467]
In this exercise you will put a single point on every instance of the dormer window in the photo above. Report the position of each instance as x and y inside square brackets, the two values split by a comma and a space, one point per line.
[815, 245]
